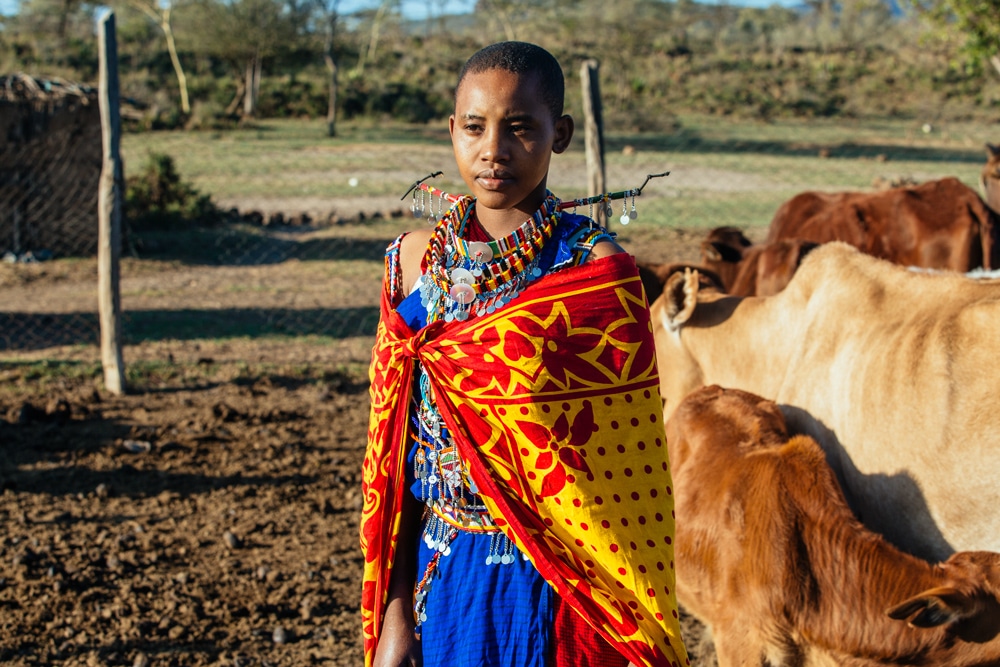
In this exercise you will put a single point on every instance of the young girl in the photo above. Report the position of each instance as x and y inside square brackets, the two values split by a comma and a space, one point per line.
[518, 508]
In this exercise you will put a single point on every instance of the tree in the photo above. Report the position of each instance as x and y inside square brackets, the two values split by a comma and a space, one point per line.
[331, 12]
[245, 33]
[159, 14]
[504, 14]
[385, 8]
[976, 21]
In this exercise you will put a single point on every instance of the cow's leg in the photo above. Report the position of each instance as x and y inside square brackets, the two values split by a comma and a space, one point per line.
[736, 647]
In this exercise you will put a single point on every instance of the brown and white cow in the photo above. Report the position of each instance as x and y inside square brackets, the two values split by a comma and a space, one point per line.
[770, 557]
[893, 372]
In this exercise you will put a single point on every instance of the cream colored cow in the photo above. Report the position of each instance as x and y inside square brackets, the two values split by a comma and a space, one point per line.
[895, 373]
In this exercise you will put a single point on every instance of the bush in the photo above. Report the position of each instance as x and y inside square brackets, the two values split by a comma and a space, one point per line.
[158, 199]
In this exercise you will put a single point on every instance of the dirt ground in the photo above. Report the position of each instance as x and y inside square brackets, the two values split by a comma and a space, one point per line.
[207, 517]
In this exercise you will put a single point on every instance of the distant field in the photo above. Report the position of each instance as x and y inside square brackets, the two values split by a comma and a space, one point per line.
[722, 172]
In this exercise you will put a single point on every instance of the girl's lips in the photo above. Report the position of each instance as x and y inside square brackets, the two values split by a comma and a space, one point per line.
[493, 181]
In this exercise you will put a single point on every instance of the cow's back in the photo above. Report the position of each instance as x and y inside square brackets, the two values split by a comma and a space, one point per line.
[939, 224]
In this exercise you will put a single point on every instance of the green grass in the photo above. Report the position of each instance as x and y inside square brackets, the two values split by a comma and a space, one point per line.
[38, 378]
[722, 171]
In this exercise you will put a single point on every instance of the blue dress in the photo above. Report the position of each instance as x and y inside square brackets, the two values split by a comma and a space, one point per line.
[479, 602]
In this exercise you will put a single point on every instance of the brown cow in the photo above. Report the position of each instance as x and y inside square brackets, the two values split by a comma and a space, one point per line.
[770, 557]
[654, 276]
[941, 224]
[766, 268]
[989, 178]
[748, 269]
[722, 252]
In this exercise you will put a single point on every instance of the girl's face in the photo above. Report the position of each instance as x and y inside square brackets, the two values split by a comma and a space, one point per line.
[503, 135]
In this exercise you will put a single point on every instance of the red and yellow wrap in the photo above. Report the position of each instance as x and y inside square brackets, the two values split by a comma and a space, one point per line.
[554, 404]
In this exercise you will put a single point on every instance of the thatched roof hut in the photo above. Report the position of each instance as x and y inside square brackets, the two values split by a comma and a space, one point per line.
[50, 166]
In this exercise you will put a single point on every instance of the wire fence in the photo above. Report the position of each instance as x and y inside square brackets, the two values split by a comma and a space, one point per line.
[234, 280]
[50, 162]
[247, 276]
[256, 276]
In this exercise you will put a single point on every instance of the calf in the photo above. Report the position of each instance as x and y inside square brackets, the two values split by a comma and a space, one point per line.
[770, 557]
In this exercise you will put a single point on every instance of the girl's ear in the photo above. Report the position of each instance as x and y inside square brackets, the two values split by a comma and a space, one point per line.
[564, 134]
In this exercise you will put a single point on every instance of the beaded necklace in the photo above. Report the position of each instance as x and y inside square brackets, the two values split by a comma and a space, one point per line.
[467, 278]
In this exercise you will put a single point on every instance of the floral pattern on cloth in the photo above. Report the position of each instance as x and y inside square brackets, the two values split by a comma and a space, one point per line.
[567, 449]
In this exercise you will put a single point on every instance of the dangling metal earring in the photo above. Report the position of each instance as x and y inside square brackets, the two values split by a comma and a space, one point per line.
[624, 219]
[633, 214]
[417, 213]
[609, 210]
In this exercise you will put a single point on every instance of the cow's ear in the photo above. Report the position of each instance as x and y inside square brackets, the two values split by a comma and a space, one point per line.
[681, 292]
[932, 608]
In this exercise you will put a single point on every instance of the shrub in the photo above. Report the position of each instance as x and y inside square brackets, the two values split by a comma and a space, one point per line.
[157, 198]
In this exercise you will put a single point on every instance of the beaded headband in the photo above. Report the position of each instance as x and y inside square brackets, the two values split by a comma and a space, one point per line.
[603, 199]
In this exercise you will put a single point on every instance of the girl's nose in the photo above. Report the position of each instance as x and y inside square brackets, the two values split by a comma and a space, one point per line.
[494, 148]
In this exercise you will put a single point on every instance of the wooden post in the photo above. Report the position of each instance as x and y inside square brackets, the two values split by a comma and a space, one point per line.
[109, 211]
[331, 104]
[594, 133]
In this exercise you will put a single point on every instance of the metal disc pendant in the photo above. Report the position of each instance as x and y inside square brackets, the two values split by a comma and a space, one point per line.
[462, 293]
[609, 210]
[625, 219]
[633, 214]
[461, 276]
[480, 252]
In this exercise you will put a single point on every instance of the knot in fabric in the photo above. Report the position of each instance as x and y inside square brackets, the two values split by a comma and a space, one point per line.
[411, 346]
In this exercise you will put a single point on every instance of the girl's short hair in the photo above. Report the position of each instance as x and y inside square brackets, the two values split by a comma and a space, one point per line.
[522, 58]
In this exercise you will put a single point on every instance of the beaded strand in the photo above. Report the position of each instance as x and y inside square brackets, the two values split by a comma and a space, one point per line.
[470, 278]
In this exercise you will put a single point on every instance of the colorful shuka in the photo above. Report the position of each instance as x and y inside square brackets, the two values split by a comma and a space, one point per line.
[553, 402]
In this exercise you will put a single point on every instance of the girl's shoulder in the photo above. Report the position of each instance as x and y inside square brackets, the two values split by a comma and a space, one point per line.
[581, 239]
[404, 261]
